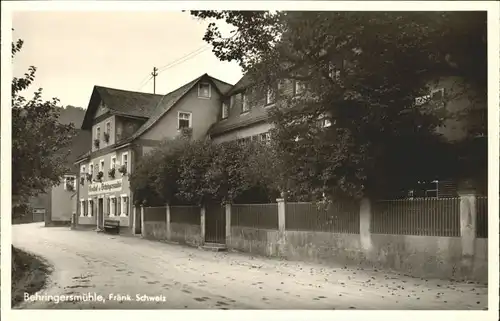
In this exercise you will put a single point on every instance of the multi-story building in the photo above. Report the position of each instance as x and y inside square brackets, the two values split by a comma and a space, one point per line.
[126, 125]
[244, 117]
[58, 203]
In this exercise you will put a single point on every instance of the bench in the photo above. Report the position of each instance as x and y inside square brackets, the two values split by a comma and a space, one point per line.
[112, 225]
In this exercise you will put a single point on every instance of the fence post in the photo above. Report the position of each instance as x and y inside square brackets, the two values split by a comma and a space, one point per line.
[228, 223]
[281, 224]
[467, 227]
[202, 223]
[365, 213]
[167, 205]
[142, 221]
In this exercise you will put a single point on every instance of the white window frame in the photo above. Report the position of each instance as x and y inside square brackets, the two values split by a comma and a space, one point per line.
[225, 110]
[82, 169]
[209, 90]
[299, 85]
[112, 206]
[101, 165]
[106, 127]
[179, 118]
[333, 71]
[65, 181]
[441, 90]
[325, 121]
[270, 92]
[82, 207]
[91, 169]
[244, 103]
[422, 100]
[128, 161]
[98, 133]
[111, 163]
[122, 197]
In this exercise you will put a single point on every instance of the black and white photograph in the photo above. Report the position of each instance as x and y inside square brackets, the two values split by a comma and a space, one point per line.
[251, 157]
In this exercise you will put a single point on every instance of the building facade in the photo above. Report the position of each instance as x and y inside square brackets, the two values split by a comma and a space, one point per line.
[125, 126]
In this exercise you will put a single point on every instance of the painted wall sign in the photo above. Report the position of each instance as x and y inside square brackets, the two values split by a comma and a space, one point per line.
[105, 187]
[39, 211]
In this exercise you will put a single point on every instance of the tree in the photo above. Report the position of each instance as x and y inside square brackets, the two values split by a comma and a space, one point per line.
[39, 142]
[363, 70]
[154, 180]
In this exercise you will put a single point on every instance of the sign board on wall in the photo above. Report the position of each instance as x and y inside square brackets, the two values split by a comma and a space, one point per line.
[105, 187]
[38, 211]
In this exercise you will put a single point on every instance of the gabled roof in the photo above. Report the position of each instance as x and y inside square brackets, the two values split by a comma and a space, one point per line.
[121, 102]
[148, 106]
[172, 98]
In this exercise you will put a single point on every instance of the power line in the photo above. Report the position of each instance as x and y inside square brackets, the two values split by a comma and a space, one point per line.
[174, 63]
[185, 57]
[178, 62]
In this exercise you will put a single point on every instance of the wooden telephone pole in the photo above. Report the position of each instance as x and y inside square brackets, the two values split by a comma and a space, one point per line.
[154, 74]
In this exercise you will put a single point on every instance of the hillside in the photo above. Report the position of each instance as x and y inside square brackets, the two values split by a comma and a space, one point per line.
[71, 114]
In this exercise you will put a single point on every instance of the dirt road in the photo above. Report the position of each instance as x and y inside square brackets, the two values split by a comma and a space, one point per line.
[129, 272]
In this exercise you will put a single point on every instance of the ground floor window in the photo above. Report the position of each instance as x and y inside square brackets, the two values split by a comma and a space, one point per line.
[112, 209]
[90, 210]
[82, 207]
[124, 205]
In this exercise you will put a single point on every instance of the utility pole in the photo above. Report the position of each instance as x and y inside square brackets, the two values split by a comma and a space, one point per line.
[154, 74]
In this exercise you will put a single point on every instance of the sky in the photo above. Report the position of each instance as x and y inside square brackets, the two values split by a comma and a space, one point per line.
[73, 51]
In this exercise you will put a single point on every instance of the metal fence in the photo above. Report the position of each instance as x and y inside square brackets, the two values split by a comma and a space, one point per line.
[263, 216]
[338, 217]
[187, 214]
[155, 214]
[482, 217]
[431, 217]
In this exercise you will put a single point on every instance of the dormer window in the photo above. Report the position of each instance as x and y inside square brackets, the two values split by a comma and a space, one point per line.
[204, 90]
[225, 110]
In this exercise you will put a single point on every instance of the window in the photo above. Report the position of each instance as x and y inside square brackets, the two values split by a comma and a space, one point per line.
[244, 102]
[91, 207]
[91, 169]
[333, 71]
[299, 87]
[82, 207]
[112, 206]
[265, 137]
[101, 165]
[436, 95]
[324, 122]
[69, 182]
[125, 160]
[270, 96]
[108, 127]
[98, 133]
[82, 169]
[113, 162]
[184, 120]
[204, 90]
[225, 110]
[124, 205]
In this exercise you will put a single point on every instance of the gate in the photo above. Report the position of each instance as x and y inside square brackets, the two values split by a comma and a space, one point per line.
[215, 224]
